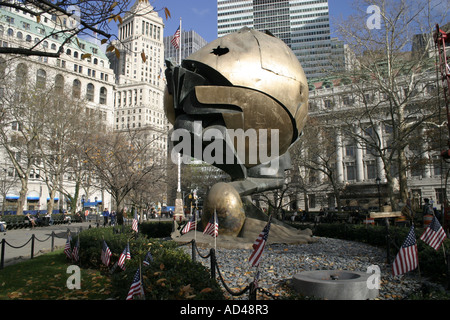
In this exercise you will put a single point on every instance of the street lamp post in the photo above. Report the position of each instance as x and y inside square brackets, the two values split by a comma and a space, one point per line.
[378, 181]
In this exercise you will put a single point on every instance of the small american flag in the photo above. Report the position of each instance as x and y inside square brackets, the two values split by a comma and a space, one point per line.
[124, 256]
[176, 39]
[148, 259]
[407, 258]
[134, 225]
[434, 234]
[67, 248]
[136, 288]
[212, 228]
[76, 251]
[259, 245]
[106, 254]
[191, 225]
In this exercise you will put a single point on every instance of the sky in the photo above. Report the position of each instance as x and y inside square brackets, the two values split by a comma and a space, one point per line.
[201, 15]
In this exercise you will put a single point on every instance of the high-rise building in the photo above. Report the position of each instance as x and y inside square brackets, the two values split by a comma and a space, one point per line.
[302, 24]
[86, 78]
[139, 69]
[190, 42]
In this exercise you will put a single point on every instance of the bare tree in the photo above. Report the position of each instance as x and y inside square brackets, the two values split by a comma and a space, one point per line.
[389, 82]
[70, 19]
[122, 161]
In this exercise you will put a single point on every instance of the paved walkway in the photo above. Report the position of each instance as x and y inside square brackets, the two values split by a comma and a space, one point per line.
[43, 241]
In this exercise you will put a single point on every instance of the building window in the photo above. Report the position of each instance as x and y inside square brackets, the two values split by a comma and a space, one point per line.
[90, 92]
[21, 74]
[41, 78]
[351, 171]
[103, 93]
[350, 150]
[76, 89]
[59, 83]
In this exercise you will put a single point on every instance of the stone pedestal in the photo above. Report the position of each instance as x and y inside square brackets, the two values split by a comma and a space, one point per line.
[178, 215]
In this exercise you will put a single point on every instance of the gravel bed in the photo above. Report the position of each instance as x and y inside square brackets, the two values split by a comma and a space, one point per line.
[280, 263]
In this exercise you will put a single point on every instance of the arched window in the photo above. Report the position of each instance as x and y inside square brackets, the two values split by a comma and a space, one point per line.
[45, 44]
[75, 54]
[90, 92]
[68, 52]
[28, 38]
[41, 78]
[76, 88]
[103, 95]
[59, 83]
[10, 32]
[19, 35]
[21, 74]
[95, 61]
[53, 46]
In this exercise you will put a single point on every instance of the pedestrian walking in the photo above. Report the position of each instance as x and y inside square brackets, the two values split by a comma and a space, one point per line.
[105, 215]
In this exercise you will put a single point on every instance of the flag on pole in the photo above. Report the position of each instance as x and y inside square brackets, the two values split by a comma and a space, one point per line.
[76, 251]
[176, 39]
[148, 259]
[134, 225]
[407, 258]
[434, 234]
[125, 255]
[67, 248]
[191, 225]
[212, 228]
[259, 244]
[136, 288]
[106, 254]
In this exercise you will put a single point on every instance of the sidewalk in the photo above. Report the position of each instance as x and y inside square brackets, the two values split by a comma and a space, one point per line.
[42, 243]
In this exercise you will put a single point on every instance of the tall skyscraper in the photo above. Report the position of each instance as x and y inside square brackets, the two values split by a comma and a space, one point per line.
[139, 72]
[302, 24]
[191, 41]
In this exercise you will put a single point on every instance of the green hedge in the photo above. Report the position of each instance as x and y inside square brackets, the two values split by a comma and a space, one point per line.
[172, 274]
[431, 262]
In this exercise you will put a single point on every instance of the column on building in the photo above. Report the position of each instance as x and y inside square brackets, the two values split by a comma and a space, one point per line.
[339, 157]
[425, 155]
[380, 166]
[359, 163]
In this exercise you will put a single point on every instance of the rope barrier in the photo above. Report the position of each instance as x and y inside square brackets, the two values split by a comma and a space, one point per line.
[251, 288]
[32, 239]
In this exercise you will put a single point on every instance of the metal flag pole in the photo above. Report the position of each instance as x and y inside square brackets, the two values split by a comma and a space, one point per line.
[181, 43]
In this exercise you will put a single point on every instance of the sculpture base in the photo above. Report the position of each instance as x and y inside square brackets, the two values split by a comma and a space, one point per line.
[178, 215]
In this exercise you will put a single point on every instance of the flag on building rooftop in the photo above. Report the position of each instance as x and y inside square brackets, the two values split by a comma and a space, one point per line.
[106, 254]
[407, 258]
[259, 244]
[434, 234]
[136, 288]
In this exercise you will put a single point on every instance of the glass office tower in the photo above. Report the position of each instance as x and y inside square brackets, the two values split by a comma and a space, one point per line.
[302, 24]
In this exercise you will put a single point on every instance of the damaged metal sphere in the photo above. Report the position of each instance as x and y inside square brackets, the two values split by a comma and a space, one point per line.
[226, 202]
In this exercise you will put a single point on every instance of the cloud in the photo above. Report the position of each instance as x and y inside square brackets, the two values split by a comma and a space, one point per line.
[200, 12]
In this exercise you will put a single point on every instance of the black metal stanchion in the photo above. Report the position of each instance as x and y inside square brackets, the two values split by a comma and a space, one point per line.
[213, 263]
[252, 291]
[2, 262]
[53, 240]
[193, 250]
[32, 246]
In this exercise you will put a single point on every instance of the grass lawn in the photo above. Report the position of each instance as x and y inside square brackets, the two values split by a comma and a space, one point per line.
[45, 278]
